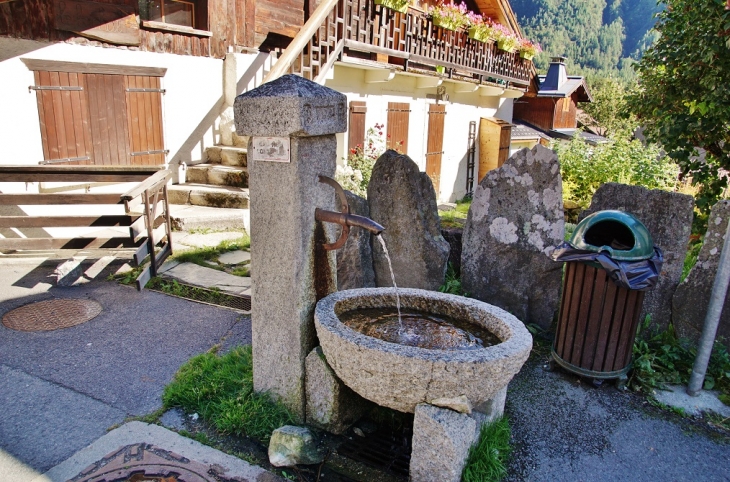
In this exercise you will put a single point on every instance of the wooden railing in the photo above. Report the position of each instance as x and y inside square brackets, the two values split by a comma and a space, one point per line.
[355, 27]
[146, 211]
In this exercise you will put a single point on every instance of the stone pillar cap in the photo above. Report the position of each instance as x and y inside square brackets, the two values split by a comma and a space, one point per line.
[290, 106]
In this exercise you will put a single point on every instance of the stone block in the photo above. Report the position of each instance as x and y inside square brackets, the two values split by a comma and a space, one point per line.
[402, 199]
[692, 297]
[331, 405]
[668, 217]
[355, 259]
[441, 442]
[515, 221]
[291, 445]
[490, 410]
[290, 106]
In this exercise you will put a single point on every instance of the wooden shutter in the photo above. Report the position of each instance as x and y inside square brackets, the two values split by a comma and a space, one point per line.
[397, 128]
[64, 118]
[356, 131]
[435, 143]
[101, 119]
[144, 102]
[494, 140]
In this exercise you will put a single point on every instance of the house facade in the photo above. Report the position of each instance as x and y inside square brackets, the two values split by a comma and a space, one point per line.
[138, 82]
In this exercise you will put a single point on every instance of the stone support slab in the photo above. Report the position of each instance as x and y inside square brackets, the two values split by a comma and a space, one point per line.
[441, 442]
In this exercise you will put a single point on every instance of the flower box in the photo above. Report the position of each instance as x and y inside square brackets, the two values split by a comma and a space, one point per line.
[480, 35]
[397, 5]
[448, 16]
[508, 44]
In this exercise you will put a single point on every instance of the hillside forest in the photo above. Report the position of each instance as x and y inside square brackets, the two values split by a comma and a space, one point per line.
[599, 37]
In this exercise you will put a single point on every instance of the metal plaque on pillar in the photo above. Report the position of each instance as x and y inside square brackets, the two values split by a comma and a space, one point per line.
[272, 149]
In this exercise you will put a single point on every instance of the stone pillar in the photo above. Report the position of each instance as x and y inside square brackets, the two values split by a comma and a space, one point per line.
[293, 116]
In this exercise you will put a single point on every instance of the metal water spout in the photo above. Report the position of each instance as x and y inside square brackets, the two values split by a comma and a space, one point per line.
[344, 218]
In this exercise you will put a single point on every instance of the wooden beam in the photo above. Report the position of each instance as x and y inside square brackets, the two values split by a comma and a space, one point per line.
[66, 221]
[154, 181]
[38, 199]
[75, 173]
[66, 243]
[114, 24]
[91, 68]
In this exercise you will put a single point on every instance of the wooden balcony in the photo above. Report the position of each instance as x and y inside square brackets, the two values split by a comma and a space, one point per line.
[358, 31]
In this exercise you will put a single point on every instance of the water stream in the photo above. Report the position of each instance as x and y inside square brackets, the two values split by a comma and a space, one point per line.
[395, 287]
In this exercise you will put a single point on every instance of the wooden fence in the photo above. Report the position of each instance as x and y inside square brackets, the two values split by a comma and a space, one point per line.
[146, 211]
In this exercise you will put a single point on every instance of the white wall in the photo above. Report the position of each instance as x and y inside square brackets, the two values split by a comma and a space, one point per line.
[461, 108]
[191, 104]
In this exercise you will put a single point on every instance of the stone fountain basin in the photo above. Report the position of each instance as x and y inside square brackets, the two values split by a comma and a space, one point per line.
[400, 377]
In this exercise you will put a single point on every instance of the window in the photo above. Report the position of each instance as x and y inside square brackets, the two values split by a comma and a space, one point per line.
[172, 11]
[184, 13]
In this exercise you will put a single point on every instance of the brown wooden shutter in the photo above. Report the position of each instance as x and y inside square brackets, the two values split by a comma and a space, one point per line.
[435, 143]
[356, 131]
[100, 119]
[64, 118]
[397, 128]
[144, 102]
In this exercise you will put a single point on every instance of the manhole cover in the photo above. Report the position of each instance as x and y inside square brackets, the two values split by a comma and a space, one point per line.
[51, 314]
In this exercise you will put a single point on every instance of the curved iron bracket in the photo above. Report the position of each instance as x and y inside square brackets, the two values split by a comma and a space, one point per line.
[339, 218]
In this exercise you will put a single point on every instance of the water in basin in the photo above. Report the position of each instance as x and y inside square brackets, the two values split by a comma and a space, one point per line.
[419, 329]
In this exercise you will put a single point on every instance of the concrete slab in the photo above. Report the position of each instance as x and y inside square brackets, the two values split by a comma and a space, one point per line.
[207, 240]
[192, 274]
[234, 257]
[205, 462]
[186, 216]
[125, 356]
[44, 423]
[705, 401]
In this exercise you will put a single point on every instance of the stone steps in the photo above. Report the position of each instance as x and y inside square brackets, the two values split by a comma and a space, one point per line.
[217, 175]
[207, 195]
[227, 155]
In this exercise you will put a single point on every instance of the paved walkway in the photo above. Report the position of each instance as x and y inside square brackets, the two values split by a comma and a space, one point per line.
[62, 391]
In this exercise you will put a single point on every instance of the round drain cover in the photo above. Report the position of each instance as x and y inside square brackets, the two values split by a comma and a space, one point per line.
[51, 314]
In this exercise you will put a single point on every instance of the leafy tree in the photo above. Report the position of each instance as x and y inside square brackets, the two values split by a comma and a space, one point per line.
[684, 99]
[609, 108]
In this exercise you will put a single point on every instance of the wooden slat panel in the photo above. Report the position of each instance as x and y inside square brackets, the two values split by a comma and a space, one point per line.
[597, 308]
[66, 243]
[80, 122]
[97, 119]
[57, 118]
[66, 221]
[356, 131]
[120, 119]
[67, 115]
[630, 322]
[107, 93]
[606, 317]
[564, 308]
[575, 298]
[435, 143]
[616, 326]
[90, 68]
[397, 128]
[132, 116]
[38, 199]
[585, 305]
[42, 114]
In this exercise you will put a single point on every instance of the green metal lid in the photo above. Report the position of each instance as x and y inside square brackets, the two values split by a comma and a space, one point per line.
[619, 234]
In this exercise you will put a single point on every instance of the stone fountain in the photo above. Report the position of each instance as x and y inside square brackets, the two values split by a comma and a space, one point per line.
[292, 123]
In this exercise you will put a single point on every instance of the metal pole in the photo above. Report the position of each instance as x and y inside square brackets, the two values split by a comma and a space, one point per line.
[712, 319]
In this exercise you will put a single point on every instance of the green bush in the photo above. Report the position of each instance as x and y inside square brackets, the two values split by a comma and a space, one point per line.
[584, 168]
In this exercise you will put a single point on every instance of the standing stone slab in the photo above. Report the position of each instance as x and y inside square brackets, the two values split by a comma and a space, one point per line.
[331, 405]
[514, 223]
[690, 301]
[668, 217]
[403, 200]
[441, 441]
[284, 196]
[355, 259]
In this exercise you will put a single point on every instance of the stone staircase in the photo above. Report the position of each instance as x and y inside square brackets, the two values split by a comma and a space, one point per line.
[221, 181]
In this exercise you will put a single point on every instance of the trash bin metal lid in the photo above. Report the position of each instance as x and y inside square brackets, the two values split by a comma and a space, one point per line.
[619, 234]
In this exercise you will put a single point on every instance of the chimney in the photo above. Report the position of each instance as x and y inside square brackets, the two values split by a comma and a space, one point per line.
[556, 75]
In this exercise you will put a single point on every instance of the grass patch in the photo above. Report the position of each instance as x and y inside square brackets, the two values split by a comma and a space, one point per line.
[487, 461]
[209, 295]
[690, 259]
[456, 218]
[199, 256]
[220, 389]
[452, 283]
[662, 359]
